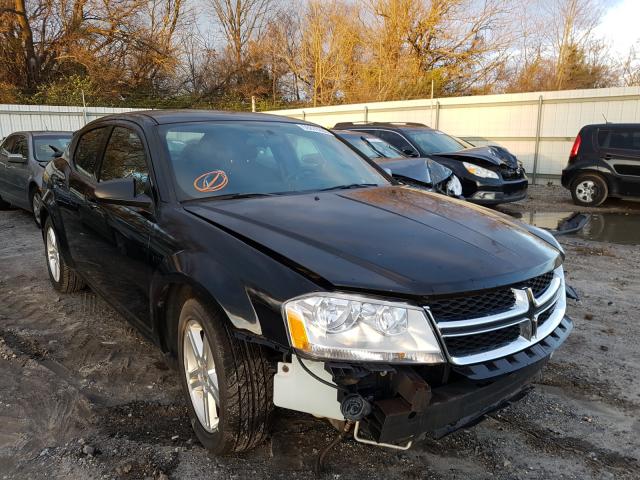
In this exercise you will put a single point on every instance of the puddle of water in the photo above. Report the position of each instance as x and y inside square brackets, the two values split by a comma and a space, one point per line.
[621, 228]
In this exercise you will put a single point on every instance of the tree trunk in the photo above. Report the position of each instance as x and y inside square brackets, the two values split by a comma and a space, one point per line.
[31, 63]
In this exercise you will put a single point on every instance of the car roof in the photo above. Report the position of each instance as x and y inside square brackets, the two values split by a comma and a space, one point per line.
[353, 133]
[387, 125]
[161, 117]
[612, 124]
[37, 133]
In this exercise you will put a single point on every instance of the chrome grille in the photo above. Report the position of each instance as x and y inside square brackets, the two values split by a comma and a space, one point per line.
[538, 284]
[459, 308]
[499, 322]
[482, 342]
[487, 303]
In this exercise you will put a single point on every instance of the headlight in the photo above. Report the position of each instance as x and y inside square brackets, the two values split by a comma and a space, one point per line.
[479, 171]
[454, 187]
[352, 327]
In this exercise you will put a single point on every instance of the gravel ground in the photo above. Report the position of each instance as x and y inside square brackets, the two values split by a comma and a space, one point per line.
[83, 395]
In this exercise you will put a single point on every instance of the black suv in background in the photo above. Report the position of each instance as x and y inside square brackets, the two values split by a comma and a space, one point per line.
[604, 162]
[489, 175]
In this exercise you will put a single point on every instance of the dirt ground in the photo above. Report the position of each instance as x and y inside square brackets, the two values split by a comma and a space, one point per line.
[83, 395]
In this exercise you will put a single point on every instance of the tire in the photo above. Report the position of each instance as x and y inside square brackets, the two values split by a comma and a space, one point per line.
[62, 277]
[241, 373]
[4, 205]
[36, 206]
[589, 190]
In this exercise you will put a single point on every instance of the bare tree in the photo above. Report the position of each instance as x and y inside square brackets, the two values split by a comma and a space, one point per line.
[241, 21]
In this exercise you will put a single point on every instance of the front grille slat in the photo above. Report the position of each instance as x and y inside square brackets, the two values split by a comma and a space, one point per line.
[482, 342]
[485, 304]
[471, 338]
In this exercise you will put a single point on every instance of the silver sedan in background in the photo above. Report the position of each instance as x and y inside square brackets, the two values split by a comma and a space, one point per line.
[23, 156]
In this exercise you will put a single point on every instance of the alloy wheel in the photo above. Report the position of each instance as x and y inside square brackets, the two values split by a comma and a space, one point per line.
[36, 205]
[586, 191]
[200, 372]
[53, 254]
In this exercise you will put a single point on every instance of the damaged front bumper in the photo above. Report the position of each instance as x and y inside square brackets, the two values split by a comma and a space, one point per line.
[407, 403]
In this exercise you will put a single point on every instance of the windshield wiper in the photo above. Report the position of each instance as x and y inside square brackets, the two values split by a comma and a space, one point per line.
[348, 187]
[232, 196]
[380, 154]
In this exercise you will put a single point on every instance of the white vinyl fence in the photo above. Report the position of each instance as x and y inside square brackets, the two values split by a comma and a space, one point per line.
[537, 127]
[15, 118]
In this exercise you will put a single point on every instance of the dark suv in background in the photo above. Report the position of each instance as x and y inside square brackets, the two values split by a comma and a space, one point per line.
[489, 175]
[604, 162]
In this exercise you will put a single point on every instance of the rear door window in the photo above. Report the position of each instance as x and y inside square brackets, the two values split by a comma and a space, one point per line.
[88, 151]
[619, 139]
[124, 157]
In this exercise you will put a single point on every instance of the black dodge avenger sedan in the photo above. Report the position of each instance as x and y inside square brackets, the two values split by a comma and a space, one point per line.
[281, 269]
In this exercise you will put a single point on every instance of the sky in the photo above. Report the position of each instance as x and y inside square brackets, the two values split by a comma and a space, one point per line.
[620, 25]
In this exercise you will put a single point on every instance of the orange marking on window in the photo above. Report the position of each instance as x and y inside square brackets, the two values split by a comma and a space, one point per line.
[211, 181]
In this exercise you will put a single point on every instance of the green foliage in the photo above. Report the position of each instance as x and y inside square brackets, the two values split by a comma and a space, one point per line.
[67, 91]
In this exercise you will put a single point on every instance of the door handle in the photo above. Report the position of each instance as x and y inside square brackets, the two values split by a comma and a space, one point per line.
[607, 157]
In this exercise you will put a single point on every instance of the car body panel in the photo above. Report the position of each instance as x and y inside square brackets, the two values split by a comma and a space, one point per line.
[322, 232]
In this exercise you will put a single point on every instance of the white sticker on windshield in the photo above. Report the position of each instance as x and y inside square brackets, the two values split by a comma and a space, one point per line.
[311, 128]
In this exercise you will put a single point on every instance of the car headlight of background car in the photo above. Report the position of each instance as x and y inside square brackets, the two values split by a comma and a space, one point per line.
[479, 171]
[353, 327]
[454, 187]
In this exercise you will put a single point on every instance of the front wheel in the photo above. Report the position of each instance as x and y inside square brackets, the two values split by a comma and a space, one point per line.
[589, 190]
[36, 206]
[228, 382]
[62, 277]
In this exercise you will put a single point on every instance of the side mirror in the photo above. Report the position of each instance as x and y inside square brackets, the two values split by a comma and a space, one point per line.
[410, 151]
[16, 158]
[121, 191]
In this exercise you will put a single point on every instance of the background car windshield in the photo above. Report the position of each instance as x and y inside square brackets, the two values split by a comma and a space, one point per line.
[225, 158]
[42, 150]
[364, 147]
[385, 149]
[434, 141]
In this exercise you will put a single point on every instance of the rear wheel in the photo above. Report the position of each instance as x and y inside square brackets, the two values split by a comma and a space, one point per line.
[228, 382]
[63, 278]
[589, 190]
[4, 205]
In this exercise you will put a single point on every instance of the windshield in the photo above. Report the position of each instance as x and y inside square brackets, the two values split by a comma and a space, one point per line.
[434, 141]
[235, 158]
[373, 147]
[384, 148]
[42, 146]
[362, 146]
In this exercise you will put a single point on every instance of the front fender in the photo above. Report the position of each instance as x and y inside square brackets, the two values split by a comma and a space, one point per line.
[248, 285]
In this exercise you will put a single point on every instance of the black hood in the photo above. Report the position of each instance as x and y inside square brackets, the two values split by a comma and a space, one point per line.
[423, 170]
[494, 155]
[387, 239]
